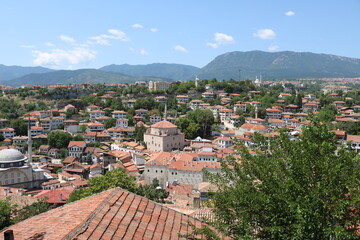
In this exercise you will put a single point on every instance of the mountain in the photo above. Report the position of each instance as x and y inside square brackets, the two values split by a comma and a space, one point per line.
[279, 65]
[163, 70]
[11, 72]
[76, 76]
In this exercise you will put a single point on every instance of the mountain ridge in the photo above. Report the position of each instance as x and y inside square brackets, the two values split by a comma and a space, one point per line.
[270, 65]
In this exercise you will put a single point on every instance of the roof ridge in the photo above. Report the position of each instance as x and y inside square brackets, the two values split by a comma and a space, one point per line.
[86, 223]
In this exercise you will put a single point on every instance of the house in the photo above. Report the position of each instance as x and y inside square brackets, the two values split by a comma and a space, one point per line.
[78, 169]
[96, 114]
[92, 107]
[122, 122]
[52, 184]
[36, 131]
[154, 118]
[76, 148]
[224, 142]
[119, 114]
[44, 148]
[273, 113]
[354, 141]
[94, 218]
[69, 107]
[160, 99]
[196, 103]
[7, 132]
[95, 127]
[239, 106]
[141, 112]
[273, 122]
[209, 95]
[182, 98]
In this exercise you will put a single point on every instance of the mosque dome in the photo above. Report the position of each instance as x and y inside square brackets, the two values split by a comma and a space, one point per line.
[11, 156]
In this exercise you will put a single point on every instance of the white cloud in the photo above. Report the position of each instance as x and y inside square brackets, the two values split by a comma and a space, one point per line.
[136, 25]
[143, 52]
[103, 39]
[154, 29]
[213, 45]
[290, 13]
[221, 39]
[140, 51]
[180, 49]
[49, 44]
[67, 38]
[59, 57]
[27, 46]
[273, 47]
[265, 34]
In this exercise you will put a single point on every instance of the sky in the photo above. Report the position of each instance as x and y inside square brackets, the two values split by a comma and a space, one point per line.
[74, 34]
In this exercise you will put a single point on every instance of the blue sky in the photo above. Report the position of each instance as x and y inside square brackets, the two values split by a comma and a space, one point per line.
[72, 34]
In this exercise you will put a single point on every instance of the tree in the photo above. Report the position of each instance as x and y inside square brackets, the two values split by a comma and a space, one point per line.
[5, 214]
[110, 122]
[139, 132]
[291, 189]
[59, 139]
[114, 178]
[32, 210]
[79, 137]
[19, 126]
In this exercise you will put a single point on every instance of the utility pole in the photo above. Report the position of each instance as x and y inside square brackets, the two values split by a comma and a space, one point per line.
[239, 75]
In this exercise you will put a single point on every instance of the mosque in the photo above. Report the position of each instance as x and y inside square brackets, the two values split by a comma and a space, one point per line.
[16, 170]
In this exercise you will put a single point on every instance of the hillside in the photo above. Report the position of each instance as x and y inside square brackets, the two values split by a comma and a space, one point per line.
[11, 72]
[76, 76]
[279, 65]
[163, 70]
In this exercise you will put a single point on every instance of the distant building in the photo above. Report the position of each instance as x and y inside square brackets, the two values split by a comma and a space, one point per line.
[164, 137]
[158, 86]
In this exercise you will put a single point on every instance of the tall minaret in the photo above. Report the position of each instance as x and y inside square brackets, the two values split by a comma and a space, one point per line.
[196, 81]
[165, 112]
[29, 143]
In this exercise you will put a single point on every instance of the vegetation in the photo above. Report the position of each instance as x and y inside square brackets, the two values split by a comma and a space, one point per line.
[302, 189]
[59, 139]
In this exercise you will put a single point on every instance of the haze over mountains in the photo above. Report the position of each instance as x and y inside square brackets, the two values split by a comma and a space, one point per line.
[275, 65]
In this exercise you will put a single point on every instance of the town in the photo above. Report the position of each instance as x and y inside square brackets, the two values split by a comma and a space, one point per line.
[57, 140]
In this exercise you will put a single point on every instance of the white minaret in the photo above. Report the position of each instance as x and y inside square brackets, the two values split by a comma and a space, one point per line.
[29, 143]
[165, 112]
[196, 81]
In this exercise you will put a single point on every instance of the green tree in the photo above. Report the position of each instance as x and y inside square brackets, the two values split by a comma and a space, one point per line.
[114, 178]
[20, 126]
[5, 214]
[59, 139]
[110, 122]
[291, 189]
[139, 132]
[79, 137]
[327, 113]
[32, 210]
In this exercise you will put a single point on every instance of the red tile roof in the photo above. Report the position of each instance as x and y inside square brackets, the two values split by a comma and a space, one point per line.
[113, 214]
[163, 124]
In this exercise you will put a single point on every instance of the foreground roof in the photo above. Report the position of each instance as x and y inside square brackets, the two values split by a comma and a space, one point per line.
[113, 214]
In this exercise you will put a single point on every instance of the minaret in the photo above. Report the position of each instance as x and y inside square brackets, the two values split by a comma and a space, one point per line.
[29, 143]
[165, 112]
[256, 112]
[196, 81]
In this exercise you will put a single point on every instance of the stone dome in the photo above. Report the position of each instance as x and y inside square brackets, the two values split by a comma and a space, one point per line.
[11, 155]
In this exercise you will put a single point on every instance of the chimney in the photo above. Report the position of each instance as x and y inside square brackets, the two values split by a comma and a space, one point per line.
[20, 192]
[61, 197]
[6, 191]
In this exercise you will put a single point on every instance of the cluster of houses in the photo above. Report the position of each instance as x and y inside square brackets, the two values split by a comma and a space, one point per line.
[177, 163]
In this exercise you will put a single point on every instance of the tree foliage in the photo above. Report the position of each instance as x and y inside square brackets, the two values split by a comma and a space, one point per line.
[5, 214]
[59, 139]
[291, 189]
[196, 123]
[19, 126]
